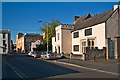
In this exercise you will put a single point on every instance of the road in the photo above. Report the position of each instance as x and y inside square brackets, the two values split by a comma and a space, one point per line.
[19, 66]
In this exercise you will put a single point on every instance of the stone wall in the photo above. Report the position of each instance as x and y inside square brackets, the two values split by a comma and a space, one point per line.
[95, 53]
[70, 56]
[76, 56]
[117, 48]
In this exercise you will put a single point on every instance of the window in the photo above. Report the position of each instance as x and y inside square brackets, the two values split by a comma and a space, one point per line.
[58, 36]
[76, 34]
[55, 49]
[76, 47]
[4, 42]
[91, 43]
[5, 45]
[3, 36]
[88, 42]
[88, 32]
[55, 38]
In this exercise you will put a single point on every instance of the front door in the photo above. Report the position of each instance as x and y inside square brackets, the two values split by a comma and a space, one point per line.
[111, 49]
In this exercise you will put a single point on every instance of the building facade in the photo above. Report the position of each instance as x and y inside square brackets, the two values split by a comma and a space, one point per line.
[88, 37]
[91, 37]
[62, 42]
[100, 31]
[35, 44]
[5, 40]
[23, 41]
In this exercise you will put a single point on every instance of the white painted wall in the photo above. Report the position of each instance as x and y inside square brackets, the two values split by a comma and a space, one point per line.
[76, 41]
[1, 43]
[53, 44]
[34, 45]
[7, 42]
[59, 42]
[65, 39]
[98, 32]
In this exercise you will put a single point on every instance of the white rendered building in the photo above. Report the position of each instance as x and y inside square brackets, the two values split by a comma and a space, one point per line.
[5, 41]
[62, 42]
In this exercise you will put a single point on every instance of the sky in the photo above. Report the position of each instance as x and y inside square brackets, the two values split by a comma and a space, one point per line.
[24, 16]
[60, 0]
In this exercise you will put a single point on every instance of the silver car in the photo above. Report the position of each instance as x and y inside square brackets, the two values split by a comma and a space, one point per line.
[48, 55]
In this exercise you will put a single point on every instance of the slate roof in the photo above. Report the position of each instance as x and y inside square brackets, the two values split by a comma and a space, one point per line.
[32, 34]
[97, 19]
[81, 19]
[29, 35]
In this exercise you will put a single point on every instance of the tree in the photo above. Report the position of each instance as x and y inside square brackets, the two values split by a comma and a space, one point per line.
[51, 31]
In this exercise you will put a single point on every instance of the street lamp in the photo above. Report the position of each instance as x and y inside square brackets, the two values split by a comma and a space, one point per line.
[47, 35]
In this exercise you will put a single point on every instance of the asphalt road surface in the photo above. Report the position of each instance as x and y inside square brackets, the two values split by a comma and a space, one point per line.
[19, 66]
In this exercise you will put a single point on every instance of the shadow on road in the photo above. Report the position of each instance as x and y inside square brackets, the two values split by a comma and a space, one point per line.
[30, 67]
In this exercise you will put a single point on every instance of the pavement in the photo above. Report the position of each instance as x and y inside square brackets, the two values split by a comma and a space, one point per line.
[103, 66]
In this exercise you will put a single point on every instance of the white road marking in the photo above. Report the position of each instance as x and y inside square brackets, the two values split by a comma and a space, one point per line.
[19, 73]
[74, 65]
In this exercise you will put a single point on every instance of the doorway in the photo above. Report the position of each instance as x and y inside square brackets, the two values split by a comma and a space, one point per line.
[58, 49]
[112, 49]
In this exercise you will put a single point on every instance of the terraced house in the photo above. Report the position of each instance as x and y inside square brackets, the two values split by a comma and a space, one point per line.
[97, 36]
[100, 31]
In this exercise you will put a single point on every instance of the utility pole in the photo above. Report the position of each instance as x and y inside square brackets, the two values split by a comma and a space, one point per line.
[47, 37]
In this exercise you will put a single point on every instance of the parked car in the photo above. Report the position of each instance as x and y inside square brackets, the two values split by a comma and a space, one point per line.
[36, 54]
[48, 55]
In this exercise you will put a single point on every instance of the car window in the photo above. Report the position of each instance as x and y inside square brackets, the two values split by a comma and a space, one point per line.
[45, 52]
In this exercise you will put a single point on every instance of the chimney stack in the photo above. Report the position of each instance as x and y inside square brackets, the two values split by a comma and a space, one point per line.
[76, 17]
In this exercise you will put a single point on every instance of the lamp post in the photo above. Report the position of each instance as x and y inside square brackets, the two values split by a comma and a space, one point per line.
[47, 35]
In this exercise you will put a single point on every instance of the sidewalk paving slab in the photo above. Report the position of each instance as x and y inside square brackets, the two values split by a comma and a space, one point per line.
[110, 67]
